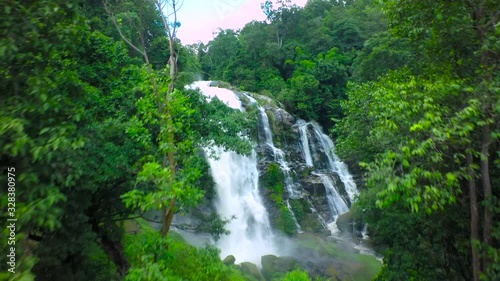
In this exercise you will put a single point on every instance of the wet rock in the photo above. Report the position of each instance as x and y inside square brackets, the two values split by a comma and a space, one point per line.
[345, 223]
[284, 117]
[229, 260]
[313, 185]
[251, 269]
[272, 265]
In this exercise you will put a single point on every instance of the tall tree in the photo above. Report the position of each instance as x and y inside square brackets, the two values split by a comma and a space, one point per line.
[420, 122]
[41, 112]
[162, 102]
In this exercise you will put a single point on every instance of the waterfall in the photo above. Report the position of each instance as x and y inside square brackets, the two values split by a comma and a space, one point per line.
[225, 95]
[237, 181]
[236, 178]
[305, 143]
[279, 157]
[268, 135]
[335, 164]
[336, 203]
[237, 184]
[299, 228]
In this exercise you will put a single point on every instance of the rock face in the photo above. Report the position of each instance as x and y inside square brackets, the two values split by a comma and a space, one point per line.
[348, 225]
[316, 193]
[282, 146]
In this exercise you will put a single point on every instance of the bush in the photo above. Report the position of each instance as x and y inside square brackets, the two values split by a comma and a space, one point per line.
[155, 258]
[296, 275]
[298, 209]
[285, 222]
[273, 179]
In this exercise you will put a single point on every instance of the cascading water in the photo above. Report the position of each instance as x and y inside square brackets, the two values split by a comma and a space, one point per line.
[317, 145]
[304, 140]
[336, 203]
[279, 156]
[237, 185]
[335, 164]
[236, 178]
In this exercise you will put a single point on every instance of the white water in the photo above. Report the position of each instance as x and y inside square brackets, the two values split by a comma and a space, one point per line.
[268, 136]
[225, 95]
[236, 178]
[305, 143]
[335, 164]
[279, 157]
[335, 201]
[299, 228]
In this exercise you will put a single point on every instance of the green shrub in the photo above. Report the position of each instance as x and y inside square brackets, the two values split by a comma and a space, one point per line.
[285, 222]
[296, 275]
[298, 209]
[154, 258]
[273, 179]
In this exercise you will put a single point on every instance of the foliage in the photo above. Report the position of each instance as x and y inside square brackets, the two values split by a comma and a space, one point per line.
[382, 52]
[302, 56]
[85, 120]
[156, 258]
[428, 140]
[298, 209]
[67, 129]
[285, 221]
[273, 181]
[296, 275]
[214, 225]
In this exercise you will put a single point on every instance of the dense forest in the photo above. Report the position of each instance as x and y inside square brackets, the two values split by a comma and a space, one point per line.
[97, 129]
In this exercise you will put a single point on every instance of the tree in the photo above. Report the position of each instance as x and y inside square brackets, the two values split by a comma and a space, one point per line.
[168, 175]
[470, 27]
[167, 149]
[433, 142]
[279, 17]
[40, 113]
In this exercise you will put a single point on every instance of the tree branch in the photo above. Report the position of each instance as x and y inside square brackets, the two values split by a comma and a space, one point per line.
[108, 11]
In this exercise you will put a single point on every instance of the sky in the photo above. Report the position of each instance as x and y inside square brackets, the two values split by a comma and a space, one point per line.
[200, 18]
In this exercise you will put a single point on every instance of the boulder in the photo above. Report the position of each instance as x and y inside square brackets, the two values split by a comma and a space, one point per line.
[229, 260]
[345, 223]
[252, 270]
[272, 264]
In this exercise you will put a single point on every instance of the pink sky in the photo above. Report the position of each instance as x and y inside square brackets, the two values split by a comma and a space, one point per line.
[200, 18]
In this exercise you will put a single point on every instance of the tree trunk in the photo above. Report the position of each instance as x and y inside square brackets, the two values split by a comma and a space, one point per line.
[115, 252]
[485, 177]
[168, 216]
[474, 218]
